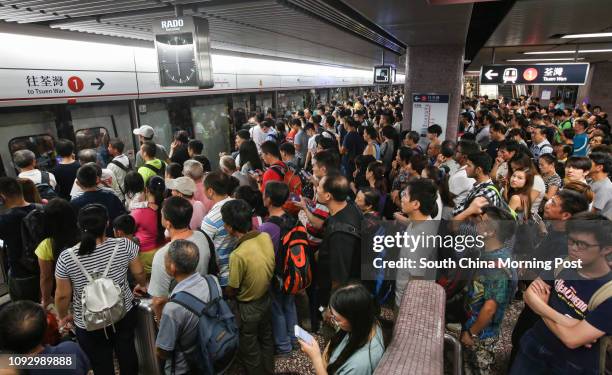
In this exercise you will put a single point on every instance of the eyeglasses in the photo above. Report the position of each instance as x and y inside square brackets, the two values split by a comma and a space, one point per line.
[579, 245]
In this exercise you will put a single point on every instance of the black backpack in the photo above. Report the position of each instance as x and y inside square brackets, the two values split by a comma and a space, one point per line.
[33, 231]
[44, 188]
[213, 267]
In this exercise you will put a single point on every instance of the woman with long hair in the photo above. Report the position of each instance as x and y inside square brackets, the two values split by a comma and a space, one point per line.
[518, 192]
[178, 148]
[522, 161]
[370, 136]
[61, 233]
[94, 253]
[149, 229]
[375, 175]
[255, 199]
[445, 199]
[358, 345]
[249, 157]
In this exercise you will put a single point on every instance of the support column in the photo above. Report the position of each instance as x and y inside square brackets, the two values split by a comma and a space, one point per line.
[438, 70]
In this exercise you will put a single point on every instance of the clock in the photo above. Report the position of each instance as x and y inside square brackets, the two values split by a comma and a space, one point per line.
[176, 59]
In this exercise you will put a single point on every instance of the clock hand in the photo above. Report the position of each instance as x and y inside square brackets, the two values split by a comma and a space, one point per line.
[178, 65]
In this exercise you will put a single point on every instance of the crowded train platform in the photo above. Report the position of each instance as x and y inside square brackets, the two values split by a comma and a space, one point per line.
[305, 187]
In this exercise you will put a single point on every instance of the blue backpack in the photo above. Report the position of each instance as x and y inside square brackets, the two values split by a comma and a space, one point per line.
[217, 330]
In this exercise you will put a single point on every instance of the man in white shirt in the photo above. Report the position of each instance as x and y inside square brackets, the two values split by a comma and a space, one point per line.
[262, 132]
[119, 165]
[25, 161]
[459, 183]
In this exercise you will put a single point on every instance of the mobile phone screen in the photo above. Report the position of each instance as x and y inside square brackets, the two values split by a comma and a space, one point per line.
[301, 334]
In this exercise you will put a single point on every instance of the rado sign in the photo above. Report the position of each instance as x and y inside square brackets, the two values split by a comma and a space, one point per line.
[171, 25]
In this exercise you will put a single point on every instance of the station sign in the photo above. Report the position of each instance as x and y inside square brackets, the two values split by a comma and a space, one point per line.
[429, 109]
[25, 84]
[183, 52]
[536, 74]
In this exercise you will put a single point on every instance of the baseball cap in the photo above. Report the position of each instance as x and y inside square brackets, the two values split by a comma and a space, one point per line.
[145, 130]
[185, 185]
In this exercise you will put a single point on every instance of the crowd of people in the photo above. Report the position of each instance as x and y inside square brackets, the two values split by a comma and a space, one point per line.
[280, 220]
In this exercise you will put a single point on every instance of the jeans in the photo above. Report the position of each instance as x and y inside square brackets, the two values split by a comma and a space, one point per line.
[534, 358]
[284, 318]
[100, 349]
[525, 321]
[256, 345]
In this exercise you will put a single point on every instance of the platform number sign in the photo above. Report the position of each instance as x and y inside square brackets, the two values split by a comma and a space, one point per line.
[75, 84]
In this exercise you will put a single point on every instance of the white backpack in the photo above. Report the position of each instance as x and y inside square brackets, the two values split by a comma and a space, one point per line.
[101, 299]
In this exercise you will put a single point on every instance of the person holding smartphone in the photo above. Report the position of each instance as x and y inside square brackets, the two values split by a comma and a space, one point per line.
[358, 345]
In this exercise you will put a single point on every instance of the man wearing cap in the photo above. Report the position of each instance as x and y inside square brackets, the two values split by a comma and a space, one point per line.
[146, 133]
[185, 187]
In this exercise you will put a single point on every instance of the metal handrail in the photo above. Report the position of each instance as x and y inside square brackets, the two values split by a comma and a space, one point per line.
[457, 353]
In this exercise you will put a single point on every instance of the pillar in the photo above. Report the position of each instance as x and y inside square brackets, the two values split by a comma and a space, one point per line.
[598, 90]
[437, 70]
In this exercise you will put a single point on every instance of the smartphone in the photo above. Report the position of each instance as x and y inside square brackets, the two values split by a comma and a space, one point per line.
[301, 334]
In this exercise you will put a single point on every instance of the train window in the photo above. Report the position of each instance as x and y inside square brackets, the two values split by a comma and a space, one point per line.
[94, 138]
[42, 145]
[212, 126]
[156, 115]
[242, 101]
[290, 101]
[263, 102]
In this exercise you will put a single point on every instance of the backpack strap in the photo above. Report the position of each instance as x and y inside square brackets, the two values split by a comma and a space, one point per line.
[111, 259]
[600, 296]
[190, 302]
[120, 165]
[44, 177]
[212, 287]
[279, 170]
[211, 250]
[153, 168]
[72, 253]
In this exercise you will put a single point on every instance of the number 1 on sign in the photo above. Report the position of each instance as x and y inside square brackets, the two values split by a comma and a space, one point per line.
[75, 84]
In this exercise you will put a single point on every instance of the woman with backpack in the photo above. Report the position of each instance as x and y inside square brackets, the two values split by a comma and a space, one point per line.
[61, 230]
[358, 345]
[99, 266]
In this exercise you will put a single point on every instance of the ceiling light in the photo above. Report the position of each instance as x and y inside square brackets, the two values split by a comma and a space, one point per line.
[552, 59]
[589, 35]
[567, 51]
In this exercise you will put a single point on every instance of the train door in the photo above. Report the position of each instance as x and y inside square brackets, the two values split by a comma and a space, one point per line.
[211, 125]
[28, 129]
[264, 101]
[156, 115]
[94, 125]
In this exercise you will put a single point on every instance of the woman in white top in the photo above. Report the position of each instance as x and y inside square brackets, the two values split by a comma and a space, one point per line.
[94, 254]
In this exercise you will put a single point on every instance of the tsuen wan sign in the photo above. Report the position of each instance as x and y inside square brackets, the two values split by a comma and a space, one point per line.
[536, 74]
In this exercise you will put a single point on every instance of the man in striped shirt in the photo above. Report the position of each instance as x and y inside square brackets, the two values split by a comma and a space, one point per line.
[216, 189]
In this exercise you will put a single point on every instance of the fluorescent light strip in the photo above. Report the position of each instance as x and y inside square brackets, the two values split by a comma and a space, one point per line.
[567, 51]
[589, 35]
[551, 59]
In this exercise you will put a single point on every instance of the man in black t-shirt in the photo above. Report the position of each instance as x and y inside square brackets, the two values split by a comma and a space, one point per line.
[352, 145]
[65, 171]
[23, 282]
[88, 177]
[568, 337]
[339, 253]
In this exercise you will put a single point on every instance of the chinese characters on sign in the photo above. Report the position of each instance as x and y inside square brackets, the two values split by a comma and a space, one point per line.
[536, 74]
[45, 84]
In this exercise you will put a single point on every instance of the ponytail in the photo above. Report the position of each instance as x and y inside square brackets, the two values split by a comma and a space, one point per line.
[88, 243]
[92, 221]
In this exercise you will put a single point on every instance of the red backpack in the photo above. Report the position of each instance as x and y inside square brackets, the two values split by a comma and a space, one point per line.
[291, 179]
[294, 272]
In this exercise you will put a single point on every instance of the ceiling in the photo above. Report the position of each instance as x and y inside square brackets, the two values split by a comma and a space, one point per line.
[416, 22]
[535, 25]
[309, 30]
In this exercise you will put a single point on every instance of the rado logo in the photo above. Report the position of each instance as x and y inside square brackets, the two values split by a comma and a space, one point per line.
[170, 24]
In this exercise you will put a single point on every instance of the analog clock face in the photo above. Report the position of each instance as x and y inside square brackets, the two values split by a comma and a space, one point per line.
[177, 65]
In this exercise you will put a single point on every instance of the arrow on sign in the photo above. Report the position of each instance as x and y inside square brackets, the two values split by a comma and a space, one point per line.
[490, 74]
[100, 84]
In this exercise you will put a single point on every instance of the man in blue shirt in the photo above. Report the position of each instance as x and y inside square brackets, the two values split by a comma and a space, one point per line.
[581, 139]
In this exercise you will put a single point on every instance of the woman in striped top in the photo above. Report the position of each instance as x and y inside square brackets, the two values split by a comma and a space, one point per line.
[94, 252]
